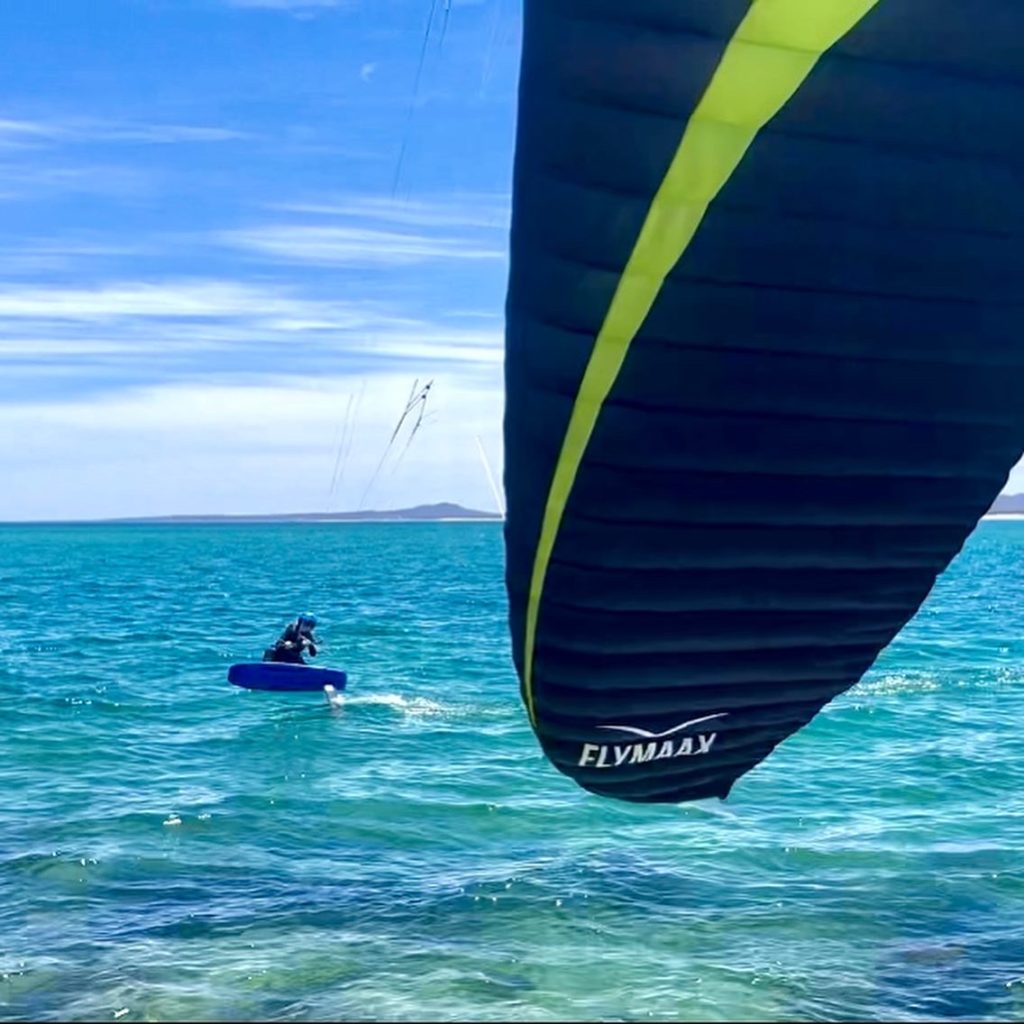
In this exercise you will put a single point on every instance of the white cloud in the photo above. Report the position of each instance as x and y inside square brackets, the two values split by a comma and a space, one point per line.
[366, 72]
[238, 448]
[329, 245]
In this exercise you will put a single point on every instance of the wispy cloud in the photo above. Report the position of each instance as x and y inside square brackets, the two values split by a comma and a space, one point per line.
[356, 247]
[76, 340]
[432, 345]
[30, 169]
[32, 257]
[155, 133]
[471, 210]
[24, 181]
[21, 134]
[169, 300]
[289, 344]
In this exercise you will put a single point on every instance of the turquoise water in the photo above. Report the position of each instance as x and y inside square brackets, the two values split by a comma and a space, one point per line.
[174, 848]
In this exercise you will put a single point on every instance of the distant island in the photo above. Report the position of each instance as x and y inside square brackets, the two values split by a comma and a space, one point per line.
[444, 511]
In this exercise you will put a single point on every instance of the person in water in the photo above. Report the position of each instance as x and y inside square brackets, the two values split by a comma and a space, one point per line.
[296, 639]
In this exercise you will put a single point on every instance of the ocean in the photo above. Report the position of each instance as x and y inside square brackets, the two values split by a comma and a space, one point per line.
[174, 848]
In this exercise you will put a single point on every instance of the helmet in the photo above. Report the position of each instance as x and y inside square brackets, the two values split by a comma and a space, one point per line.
[308, 617]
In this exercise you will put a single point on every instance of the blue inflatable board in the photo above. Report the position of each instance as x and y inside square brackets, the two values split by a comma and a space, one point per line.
[285, 678]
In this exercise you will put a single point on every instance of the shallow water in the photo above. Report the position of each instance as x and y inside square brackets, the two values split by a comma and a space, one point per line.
[174, 848]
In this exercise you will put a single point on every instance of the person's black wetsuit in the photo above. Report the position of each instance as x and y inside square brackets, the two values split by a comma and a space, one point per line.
[291, 645]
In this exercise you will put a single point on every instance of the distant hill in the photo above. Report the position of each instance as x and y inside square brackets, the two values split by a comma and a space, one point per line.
[1007, 503]
[441, 511]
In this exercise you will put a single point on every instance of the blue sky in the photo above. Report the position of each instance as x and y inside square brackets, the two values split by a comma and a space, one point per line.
[233, 233]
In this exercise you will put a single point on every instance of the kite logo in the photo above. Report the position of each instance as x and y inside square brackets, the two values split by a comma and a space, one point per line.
[649, 746]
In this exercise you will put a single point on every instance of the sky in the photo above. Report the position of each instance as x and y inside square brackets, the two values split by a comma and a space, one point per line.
[233, 235]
